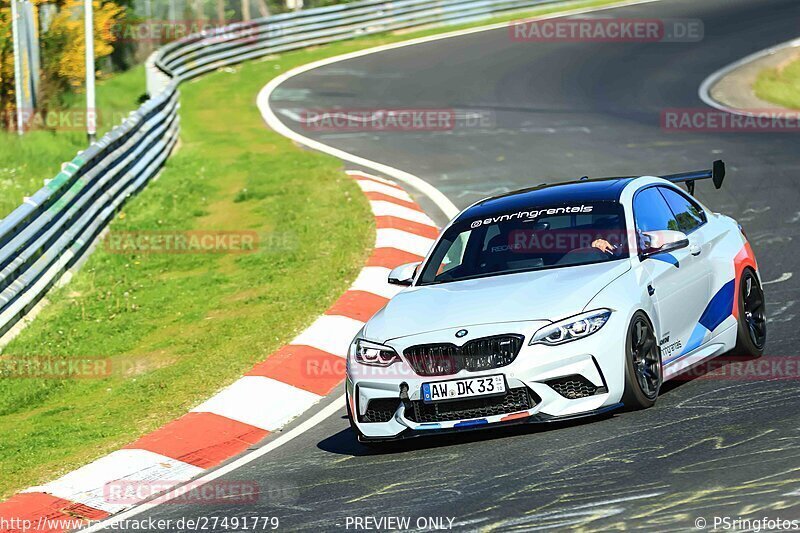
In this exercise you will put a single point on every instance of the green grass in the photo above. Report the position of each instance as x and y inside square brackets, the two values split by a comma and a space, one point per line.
[188, 325]
[780, 85]
[26, 161]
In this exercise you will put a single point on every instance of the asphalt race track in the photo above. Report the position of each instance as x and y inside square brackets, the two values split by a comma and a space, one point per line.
[559, 111]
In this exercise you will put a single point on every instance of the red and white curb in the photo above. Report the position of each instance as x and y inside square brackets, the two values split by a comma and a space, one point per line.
[274, 392]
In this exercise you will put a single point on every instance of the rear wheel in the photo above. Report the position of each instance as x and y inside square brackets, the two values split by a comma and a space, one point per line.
[751, 334]
[643, 373]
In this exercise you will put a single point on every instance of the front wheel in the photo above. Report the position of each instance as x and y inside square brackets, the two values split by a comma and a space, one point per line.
[643, 372]
[751, 331]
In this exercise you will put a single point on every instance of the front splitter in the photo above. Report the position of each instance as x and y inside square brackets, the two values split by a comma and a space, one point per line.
[538, 418]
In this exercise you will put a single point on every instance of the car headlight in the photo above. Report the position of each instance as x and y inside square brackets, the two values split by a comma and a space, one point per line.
[572, 328]
[373, 354]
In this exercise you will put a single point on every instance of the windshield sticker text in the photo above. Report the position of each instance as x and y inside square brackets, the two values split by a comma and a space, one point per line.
[533, 213]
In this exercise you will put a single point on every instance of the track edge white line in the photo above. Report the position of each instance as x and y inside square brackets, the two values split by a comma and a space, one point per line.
[704, 91]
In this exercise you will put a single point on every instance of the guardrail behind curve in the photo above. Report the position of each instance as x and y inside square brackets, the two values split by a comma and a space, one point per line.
[50, 232]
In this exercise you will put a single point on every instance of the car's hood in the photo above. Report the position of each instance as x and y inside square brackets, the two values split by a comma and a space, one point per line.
[540, 295]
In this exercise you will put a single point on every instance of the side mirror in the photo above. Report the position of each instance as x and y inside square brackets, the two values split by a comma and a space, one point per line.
[656, 242]
[404, 274]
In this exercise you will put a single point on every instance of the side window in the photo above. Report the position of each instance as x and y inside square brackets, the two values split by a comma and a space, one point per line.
[689, 215]
[651, 212]
[455, 254]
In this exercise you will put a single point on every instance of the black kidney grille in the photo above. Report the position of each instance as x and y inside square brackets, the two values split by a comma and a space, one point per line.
[478, 354]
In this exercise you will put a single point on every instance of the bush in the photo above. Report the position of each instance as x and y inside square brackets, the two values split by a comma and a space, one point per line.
[62, 49]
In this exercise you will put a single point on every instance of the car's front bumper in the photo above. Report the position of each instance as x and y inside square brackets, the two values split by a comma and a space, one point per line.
[598, 359]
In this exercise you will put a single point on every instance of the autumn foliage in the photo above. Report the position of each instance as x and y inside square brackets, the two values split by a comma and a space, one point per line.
[62, 48]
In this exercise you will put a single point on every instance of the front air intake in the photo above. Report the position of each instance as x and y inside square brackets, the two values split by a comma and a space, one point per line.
[513, 401]
[380, 410]
[574, 387]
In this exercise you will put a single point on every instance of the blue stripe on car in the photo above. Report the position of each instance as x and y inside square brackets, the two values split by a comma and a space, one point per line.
[719, 308]
[467, 423]
[715, 313]
[695, 340]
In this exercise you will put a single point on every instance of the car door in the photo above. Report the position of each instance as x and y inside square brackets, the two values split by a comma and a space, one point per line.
[678, 281]
[691, 220]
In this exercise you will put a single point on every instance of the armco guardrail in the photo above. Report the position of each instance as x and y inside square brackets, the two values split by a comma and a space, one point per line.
[50, 231]
[202, 53]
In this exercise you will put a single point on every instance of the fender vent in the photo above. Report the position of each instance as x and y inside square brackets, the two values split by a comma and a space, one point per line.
[575, 386]
[380, 410]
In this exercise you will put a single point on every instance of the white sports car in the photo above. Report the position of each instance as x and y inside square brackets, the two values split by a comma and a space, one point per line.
[556, 302]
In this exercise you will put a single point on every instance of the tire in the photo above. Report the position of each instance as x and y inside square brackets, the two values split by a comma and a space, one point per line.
[643, 371]
[751, 331]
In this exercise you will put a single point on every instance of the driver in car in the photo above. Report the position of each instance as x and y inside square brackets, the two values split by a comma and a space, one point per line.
[604, 246]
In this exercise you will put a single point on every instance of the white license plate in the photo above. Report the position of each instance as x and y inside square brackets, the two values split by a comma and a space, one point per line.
[463, 388]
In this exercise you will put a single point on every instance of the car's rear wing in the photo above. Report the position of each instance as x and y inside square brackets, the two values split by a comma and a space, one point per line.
[716, 174]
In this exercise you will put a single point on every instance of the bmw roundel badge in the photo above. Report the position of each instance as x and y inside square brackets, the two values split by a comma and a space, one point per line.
[460, 333]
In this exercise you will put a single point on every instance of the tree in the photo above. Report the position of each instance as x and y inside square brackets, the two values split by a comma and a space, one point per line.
[63, 48]
[65, 44]
[6, 64]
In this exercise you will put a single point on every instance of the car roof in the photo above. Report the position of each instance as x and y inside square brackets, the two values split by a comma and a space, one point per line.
[578, 191]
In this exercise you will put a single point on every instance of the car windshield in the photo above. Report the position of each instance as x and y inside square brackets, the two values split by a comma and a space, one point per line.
[539, 238]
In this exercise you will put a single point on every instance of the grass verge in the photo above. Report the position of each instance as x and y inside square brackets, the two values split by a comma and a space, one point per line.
[186, 324]
[193, 323]
[780, 85]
